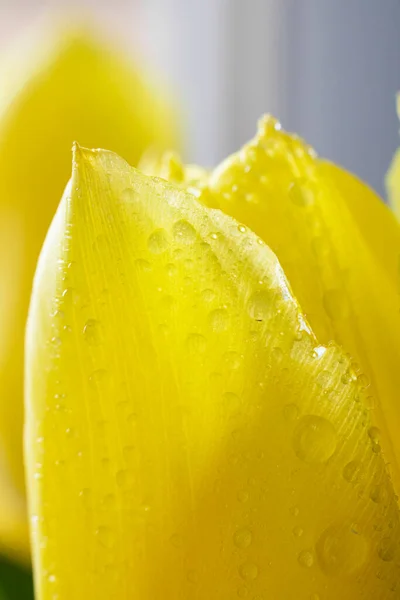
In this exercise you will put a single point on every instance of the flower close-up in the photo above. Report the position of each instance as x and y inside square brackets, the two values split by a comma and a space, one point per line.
[211, 381]
[199, 306]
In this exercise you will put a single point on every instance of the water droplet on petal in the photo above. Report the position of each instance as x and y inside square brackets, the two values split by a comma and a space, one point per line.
[128, 195]
[196, 343]
[387, 549]
[207, 295]
[351, 471]
[243, 538]
[259, 305]
[184, 232]
[300, 194]
[157, 242]
[342, 549]
[218, 319]
[314, 439]
[305, 559]
[91, 332]
[248, 571]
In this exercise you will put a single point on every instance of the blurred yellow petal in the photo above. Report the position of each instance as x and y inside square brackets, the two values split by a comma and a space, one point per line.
[393, 184]
[339, 246]
[71, 85]
[186, 435]
[393, 177]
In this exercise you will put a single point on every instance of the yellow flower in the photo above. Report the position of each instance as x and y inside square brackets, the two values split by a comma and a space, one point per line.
[69, 86]
[187, 434]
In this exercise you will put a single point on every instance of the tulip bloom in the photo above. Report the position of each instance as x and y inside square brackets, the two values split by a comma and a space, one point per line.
[71, 86]
[188, 435]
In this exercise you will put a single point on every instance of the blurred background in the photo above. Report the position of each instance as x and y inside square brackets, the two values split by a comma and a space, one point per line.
[328, 69]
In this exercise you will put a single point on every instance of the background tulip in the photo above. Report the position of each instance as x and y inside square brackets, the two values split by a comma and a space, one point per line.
[67, 85]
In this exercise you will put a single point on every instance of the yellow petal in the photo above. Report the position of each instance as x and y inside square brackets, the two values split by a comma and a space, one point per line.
[186, 435]
[393, 177]
[339, 246]
[71, 85]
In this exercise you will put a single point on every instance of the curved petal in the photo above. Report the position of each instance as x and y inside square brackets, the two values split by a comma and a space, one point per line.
[339, 246]
[186, 435]
[70, 85]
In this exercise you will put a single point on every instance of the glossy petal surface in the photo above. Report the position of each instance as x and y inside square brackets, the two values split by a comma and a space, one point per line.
[68, 86]
[186, 435]
[339, 246]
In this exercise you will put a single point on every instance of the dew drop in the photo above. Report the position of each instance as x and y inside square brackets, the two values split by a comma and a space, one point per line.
[242, 228]
[314, 439]
[347, 377]
[342, 550]
[196, 343]
[259, 306]
[171, 269]
[207, 295]
[351, 471]
[248, 571]
[86, 497]
[142, 265]
[242, 496]
[242, 538]
[377, 494]
[128, 195]
[218, 319]
[242, 591]
[387, 549]
[305, 559]
[298, 532]
[323, 378]
[374, 435]
[91, 332]
[184, 232]
[336, 304]
[157, 242]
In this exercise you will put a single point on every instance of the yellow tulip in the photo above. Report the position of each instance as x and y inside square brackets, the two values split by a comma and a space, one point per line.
[187, 434]
[70, 86]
